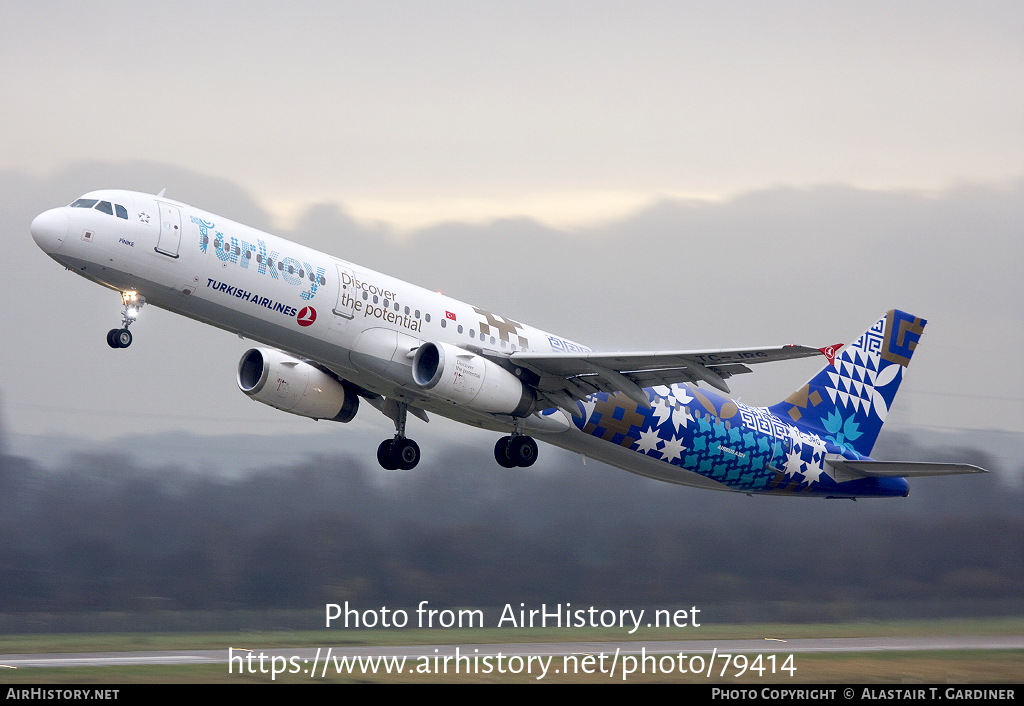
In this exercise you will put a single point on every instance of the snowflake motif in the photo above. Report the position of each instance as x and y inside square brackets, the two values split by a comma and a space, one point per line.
[649, 441]
[673, 449]
[661, 411]
[143, 218]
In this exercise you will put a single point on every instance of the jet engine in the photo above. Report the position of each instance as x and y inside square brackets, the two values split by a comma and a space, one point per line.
[458, 376]
[277, 379]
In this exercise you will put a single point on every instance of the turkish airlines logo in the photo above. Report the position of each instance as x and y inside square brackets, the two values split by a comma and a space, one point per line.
[307, 315]
[449, 315]
[830, 353]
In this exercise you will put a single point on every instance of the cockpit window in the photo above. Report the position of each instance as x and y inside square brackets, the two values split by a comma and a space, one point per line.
[84, 203]
[105, 207]
[122, 212]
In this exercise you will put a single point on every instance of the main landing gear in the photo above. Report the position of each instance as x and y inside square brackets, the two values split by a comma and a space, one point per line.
[122, 337]
[399, 453]
[515, 450]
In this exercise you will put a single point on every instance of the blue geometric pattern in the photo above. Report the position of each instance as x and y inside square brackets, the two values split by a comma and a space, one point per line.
[782, 448]
[857, 393]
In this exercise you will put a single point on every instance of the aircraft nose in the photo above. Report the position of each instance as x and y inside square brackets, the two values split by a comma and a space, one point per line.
[49, 229]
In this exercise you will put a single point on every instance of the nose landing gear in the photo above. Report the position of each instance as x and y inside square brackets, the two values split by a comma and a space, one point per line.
[122, 337]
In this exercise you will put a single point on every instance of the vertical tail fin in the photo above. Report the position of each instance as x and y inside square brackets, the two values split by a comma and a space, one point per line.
[847, 402]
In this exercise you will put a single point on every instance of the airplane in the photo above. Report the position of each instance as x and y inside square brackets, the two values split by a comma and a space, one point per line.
[336, 334]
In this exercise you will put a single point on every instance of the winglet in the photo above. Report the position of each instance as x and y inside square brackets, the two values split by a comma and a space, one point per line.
[830, 353]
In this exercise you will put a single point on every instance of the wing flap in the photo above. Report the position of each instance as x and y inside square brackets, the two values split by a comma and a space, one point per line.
[572, 374]
[576, 363]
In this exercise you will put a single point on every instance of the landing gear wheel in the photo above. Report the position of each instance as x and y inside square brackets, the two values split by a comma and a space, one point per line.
[501, 452]
[522, 451]
[405, 454]
[123, 338]
[384, 455]
[112, 338]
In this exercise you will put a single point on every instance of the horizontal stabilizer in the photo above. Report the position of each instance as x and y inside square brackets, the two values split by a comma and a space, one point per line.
[900, 469]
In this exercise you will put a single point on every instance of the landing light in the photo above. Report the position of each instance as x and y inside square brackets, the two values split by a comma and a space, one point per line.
[133, 304]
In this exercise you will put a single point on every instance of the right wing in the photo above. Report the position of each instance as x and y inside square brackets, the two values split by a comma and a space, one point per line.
[564, 378]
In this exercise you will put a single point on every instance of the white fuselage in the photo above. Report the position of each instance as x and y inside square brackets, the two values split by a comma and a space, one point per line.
[362, 325]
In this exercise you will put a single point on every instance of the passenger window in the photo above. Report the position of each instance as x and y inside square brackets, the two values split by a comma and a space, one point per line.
[460, 328]
[122, 212]
[444, 323]
[365, 296]
[248, 254]
[427, 317]
[302, 274]
[206, 239]
[406, 308]
[374, 298]
[492, 340]
[472, 334]
[386, 303]
[84, 203]
[105, 207]
[323, 281]
[259, 257]
[417, 313]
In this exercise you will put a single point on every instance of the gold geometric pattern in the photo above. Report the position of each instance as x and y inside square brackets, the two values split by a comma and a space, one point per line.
[613, 426]
[899, 348]
[505, 327]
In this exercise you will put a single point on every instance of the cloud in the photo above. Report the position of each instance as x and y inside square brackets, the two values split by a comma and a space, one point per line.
[776, 266]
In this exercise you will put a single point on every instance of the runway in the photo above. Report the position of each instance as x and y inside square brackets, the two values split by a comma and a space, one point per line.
[312, 655]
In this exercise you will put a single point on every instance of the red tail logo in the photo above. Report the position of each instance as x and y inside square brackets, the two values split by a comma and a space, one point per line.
[830, 353]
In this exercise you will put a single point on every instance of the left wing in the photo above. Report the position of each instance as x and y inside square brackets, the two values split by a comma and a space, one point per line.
[567, 377]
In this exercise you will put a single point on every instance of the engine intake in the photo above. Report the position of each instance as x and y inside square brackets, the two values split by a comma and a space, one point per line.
[276, 379]
[465, 378]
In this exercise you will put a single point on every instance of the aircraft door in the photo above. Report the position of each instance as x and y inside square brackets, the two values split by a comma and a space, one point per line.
[170, 230]
[778, 457]
[345, 305]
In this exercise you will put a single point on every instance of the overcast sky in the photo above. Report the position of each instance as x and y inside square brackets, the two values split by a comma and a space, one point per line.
[413, 112]
[768, 172]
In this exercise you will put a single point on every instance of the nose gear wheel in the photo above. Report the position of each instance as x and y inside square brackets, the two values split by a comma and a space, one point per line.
[132, 304]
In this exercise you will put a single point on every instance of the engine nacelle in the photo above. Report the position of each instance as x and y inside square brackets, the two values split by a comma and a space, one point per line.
[465, 378]
[277, 379]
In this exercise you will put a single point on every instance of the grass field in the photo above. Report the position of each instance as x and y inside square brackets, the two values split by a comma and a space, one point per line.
[968, 666]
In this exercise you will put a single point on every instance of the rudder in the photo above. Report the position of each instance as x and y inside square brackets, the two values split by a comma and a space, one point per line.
[847, 404]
